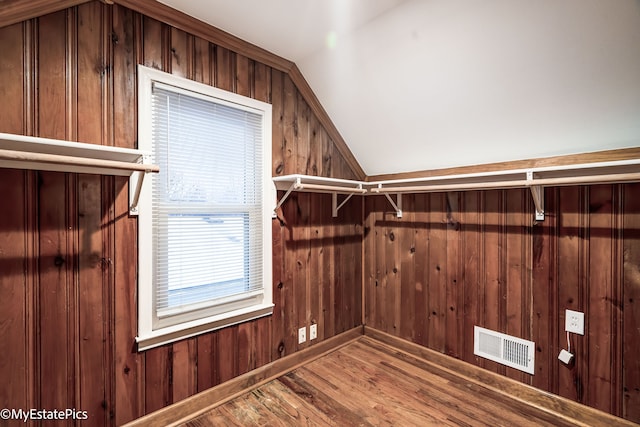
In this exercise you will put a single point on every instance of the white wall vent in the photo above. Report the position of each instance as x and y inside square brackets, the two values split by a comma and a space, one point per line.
[505, 349]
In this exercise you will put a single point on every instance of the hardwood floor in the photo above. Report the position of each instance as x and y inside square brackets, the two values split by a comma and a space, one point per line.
[370, 383]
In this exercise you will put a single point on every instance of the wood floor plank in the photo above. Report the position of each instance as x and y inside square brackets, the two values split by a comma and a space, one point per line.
[370, 383]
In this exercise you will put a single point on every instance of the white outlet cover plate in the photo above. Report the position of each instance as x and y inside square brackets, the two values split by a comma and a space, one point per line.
[313, 332]
[302, 335]
[574, 322]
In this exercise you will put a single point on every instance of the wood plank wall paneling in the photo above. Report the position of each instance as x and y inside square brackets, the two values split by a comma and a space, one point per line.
[68, 246]
[479, 258]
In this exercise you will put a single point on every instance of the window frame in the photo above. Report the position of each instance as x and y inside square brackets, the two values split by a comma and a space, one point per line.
[262, 305]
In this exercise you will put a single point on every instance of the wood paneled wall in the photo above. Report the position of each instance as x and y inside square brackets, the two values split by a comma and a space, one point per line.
[68, 247]
[461, 259]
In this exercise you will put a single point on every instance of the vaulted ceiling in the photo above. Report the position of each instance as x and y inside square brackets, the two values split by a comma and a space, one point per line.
[425, 84]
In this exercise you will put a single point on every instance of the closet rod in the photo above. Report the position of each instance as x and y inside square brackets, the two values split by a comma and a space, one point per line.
[447, 187]
[588, 179]
[329, 188]
[570, 180]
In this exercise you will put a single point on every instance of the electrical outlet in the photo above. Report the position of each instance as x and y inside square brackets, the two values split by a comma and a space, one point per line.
[574, 322]
[313, 331]
[302, 335]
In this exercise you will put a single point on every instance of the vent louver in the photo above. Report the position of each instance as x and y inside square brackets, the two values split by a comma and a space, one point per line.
[505, 349]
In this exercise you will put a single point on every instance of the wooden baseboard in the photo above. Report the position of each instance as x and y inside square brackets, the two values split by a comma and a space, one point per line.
[202, 402]
[551, 403]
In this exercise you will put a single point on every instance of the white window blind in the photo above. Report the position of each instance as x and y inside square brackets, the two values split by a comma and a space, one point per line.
[207, 202]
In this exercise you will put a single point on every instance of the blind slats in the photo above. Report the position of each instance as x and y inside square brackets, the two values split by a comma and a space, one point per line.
[206, 199]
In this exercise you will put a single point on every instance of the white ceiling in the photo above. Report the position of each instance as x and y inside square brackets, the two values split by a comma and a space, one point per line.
[426, 84]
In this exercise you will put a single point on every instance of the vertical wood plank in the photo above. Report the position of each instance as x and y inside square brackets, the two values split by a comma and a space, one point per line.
[14, 235]
[262, 83]
[491, 266]
[328, 266]
[381, 321]
[600, 304]
[158, 378]
[277, 347]
[91, 260]
[452, 288]
[183, 369]
[128, 384]
[369, 257]
[421, 245]
[515, 287]
[407, 251]
[545, 311]
[262, 341]
[289, 340]
[292, 213]
[225, 69]
[570, 381]
[246, 348]
[316, 237]
[301, 232]
[14, 304]
[56, 264]
[202, 62]
[290, 127]
[154, 47]
[631, 305]
[278, 141]
[471, 248]
[181, 53]
[206, 361]
[226, 354]
[357, 232]
[437, 272]
[244, 75]
[352, 261]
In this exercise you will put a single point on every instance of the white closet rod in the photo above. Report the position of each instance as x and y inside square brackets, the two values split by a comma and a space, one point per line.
[56, 159]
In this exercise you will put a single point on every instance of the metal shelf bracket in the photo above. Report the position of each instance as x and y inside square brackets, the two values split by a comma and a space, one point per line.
[335, 207]
[293, 186]
[396, 206]
[537, 191]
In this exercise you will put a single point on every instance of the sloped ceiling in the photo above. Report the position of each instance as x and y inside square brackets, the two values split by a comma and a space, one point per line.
[428, 84]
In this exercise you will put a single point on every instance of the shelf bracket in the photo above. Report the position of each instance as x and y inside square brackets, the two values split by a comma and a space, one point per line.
[397, 207]
[135, 182]
[537, 191]
[286, 195]
[335, 207]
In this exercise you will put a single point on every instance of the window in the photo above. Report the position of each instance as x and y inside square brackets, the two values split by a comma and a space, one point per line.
[204, 231]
